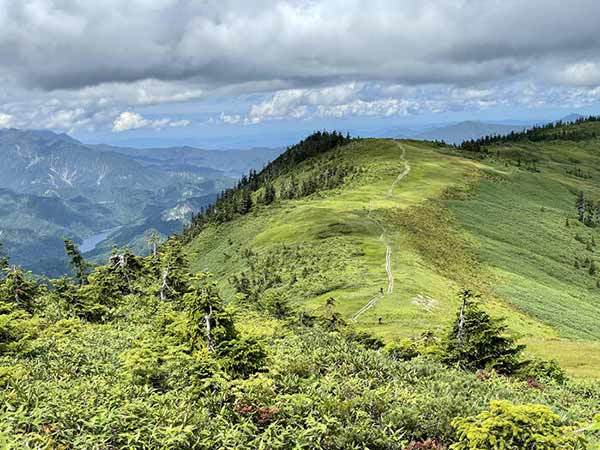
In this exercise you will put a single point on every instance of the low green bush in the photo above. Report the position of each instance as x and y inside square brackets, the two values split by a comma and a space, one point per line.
[509, 426]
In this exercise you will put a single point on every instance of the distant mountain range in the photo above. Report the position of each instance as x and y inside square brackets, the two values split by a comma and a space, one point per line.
[53, 186]
[462, 131]
[231, 163]
[455, 133]
[572, 118]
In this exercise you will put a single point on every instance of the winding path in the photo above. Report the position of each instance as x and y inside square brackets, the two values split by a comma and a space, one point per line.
[388, 248]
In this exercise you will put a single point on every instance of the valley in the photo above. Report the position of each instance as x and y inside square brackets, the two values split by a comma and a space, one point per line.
[55, 187]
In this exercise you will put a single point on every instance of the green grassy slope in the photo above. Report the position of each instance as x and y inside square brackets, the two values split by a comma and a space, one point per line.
[450, 222]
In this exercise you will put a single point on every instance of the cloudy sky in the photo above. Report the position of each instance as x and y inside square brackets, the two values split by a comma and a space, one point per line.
[225, 73]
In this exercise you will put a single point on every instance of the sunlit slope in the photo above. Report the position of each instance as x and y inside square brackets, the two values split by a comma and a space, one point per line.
[418, 224]
[519, 222]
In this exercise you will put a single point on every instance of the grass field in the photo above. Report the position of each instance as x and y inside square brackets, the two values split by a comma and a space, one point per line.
[452, 222]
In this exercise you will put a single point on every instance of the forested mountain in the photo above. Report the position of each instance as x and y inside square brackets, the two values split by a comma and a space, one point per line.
[55, 186]
[354, 293]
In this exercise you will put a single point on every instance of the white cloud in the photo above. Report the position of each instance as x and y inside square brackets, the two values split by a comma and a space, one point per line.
[580, 74]
[74, 65]
[230, 119]
[6, 120]
[367, 100]
[129, 120]
[381, 108]
[299, 103]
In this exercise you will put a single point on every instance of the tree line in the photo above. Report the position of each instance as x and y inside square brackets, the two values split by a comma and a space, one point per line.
[537, 133]
[258, 188]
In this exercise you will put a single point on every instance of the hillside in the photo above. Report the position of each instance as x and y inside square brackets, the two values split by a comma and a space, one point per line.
[420, 222]
[333, 318]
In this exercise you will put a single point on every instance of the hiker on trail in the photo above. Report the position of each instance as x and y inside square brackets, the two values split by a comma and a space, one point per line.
[380, 321]
[381, 291]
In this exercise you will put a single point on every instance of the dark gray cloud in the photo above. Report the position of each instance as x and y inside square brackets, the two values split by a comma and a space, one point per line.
[72, 64]
[54, 44]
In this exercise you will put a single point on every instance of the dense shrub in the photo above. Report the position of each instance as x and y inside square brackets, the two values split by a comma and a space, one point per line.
[403, 350]
[543, 370]
[511, 426]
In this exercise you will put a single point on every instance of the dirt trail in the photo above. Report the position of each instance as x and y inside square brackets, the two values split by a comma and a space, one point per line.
[403, 174]
[388, 248]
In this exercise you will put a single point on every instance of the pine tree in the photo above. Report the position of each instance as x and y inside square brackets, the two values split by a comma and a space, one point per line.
[245, 202]
[208, 319]
[3, 258]
[581, 206]
[269, 194]
[77, 262]
[125, 269]
[589, 212]
[173, 282]
[18, 289]
[477, 341]
[152, 239]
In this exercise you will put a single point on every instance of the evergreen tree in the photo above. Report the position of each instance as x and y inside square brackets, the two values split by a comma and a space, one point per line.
[152, 239]
[77, 262]
[589, 213]
[208, 319]
[18, 289]
[477, 341]
[3, 258]
[245, 202]
[580, 204]
[67, 291]
[173, 277]
[269, 194]
[125, 269]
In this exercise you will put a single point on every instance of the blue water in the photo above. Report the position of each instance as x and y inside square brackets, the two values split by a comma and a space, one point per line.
[90, 243]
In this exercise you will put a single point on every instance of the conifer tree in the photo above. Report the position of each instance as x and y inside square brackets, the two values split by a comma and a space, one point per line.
[152, 239]
[77, 262]
[173, 282]
[580, 206]
[3, 258]
[18, 289]
[269, 194]
[125, 269]
[207, 316]
[245, 202]
[477, 341]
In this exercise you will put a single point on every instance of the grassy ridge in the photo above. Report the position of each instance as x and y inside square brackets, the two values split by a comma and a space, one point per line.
[451, 222]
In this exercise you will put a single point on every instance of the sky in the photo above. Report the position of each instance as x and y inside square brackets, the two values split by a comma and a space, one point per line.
[239, 73]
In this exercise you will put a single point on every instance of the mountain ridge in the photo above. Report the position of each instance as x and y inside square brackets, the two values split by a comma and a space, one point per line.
[452, 221]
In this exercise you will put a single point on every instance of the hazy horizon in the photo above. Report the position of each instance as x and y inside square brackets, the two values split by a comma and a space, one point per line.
[230, 74]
